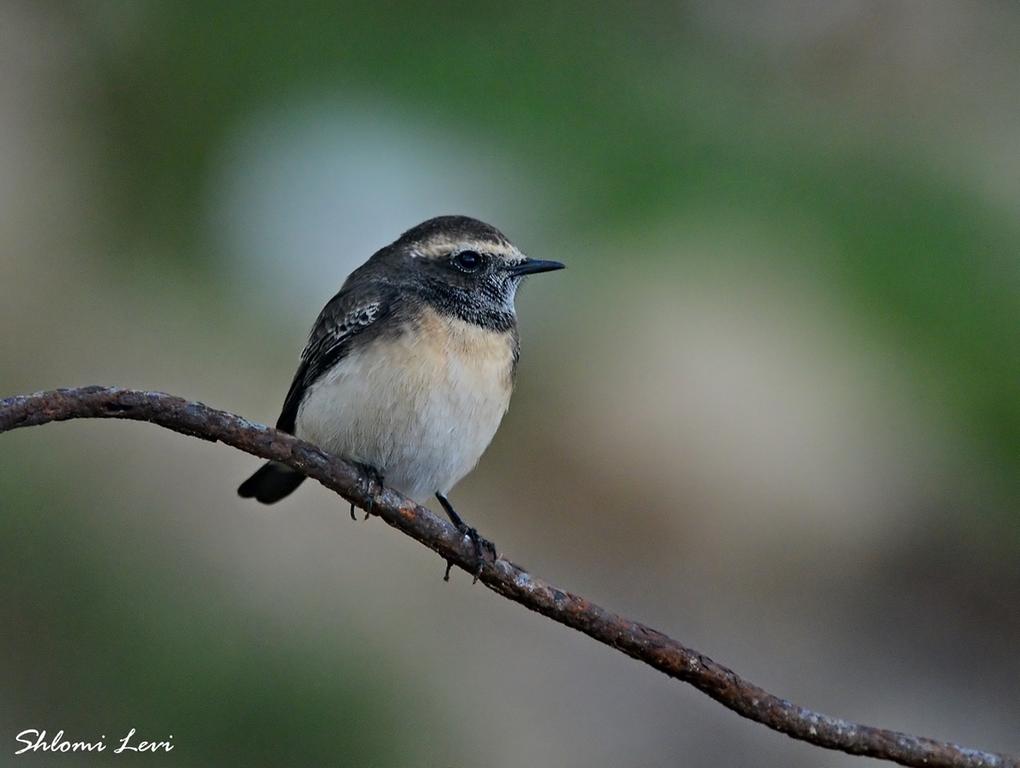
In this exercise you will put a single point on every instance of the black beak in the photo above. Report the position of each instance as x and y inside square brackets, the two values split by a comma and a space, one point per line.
[534, 266]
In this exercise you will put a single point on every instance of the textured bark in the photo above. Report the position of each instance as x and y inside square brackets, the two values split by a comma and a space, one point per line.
[500, 575]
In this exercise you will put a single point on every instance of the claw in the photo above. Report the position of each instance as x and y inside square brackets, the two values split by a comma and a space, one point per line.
[375, 485]
[481, 545]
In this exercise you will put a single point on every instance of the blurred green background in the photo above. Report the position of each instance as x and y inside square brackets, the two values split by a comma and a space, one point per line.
[772, 407]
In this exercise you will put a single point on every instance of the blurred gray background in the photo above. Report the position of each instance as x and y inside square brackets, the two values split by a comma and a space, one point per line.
[771, 408]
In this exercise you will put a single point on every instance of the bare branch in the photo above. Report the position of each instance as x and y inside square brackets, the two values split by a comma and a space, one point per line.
[632, 638]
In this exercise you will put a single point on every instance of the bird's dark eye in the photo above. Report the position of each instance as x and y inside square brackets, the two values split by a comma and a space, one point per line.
[468, 261]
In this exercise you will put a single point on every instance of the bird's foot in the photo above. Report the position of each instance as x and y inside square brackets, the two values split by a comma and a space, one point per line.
[484, 550]
[375, 485]
[482, 545]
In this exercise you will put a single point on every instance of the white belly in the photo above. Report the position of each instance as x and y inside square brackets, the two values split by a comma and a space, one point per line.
[421, 407]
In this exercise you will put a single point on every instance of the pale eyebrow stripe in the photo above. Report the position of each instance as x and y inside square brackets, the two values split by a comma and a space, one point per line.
[444, 246]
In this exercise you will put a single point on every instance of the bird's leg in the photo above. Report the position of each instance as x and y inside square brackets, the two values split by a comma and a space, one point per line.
[375, 480]
[482, 545]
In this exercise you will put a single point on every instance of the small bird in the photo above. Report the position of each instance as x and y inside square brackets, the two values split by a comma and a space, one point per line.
[408, 370]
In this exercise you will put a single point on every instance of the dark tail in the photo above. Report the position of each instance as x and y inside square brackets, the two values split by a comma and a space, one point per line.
[271, 483]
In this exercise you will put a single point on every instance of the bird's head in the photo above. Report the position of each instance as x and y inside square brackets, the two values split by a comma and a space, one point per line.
[464, 267]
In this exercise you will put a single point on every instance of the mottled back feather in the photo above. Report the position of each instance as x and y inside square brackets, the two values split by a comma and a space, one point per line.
[348, 316]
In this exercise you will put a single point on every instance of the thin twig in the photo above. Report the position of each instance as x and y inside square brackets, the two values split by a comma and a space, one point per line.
[632, 638]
